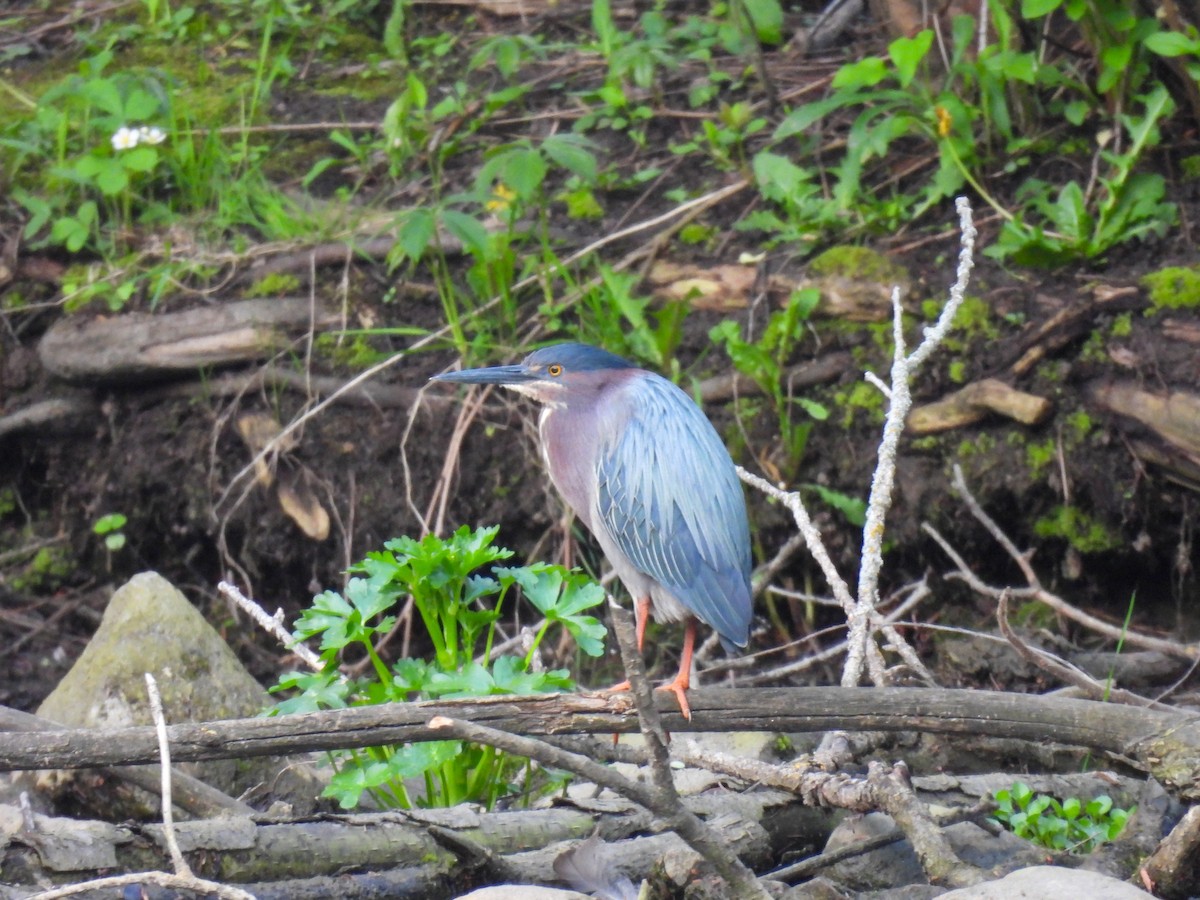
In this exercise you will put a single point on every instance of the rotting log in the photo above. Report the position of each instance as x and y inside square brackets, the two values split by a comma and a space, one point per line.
[139, 347]
[1164, 742]
[429, 844]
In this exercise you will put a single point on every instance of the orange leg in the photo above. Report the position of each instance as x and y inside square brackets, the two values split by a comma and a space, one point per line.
[680, 684]
[641, 615]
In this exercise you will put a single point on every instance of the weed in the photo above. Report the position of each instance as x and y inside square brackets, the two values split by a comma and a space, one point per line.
[448, 582]
[1070, 825]
[765, 360]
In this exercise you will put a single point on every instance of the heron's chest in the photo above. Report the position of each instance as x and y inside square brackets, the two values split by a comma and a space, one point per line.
[572, 444]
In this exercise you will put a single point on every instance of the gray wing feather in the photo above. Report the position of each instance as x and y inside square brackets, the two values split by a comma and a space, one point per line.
[670, 499]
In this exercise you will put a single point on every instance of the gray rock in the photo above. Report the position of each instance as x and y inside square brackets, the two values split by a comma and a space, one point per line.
[1041, 882]
[522, 892]
[149, 626]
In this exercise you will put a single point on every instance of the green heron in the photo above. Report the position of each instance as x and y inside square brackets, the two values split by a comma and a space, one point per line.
[647, 473]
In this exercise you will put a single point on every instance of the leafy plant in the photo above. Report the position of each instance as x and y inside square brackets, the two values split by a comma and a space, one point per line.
[1069, 825]
[1083, 222]
[766, 359]
[982, 115]
[109, 527]
[615, 316]
[448, 582]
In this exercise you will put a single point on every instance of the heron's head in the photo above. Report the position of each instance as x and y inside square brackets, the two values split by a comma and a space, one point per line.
[552, 374]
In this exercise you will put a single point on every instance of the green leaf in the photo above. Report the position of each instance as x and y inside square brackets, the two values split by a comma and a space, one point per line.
[867, 72]
[777, 176]
[1035, 9]
[799, 119]
[369, 600]
[1070, 213]
[1171, 43]
[140, 105]
[416, 231]
[318, 690]
[139, 159]
[853, 508]
[574, 153]
[327, 617]
[767, 19]
[907, 53]
[468, 230]
[112, 178]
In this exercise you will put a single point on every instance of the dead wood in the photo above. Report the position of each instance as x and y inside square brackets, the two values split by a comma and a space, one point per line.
[428, 845]
[973, 402]
[1173, 870]
[1164, 743]
[138, 347]
[189, 794]
[1170, 424]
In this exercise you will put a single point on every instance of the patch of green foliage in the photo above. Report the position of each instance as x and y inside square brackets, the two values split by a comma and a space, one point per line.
[1069, 825]
[859, 263]
[765, 361]
[49, 568]
[1175, 287]
[458, 593]
[1077, 528]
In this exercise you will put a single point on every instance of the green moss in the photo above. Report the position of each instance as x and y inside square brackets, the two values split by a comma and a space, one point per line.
[1095, 348]
[983, 444]
[1176, 287]
[1040, 456]
[862, 396]
[1081, 424]
[1190, 167]
[1079, 529]
[275, 284]
[1122, 326]
[860, 263]
[958, 371]
[976, 319]
[49, 568]
[353, 352]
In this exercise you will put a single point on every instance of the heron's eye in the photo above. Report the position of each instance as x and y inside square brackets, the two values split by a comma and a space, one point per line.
[554, 369]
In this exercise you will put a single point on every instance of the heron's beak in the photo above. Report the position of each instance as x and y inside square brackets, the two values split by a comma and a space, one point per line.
[504, 375]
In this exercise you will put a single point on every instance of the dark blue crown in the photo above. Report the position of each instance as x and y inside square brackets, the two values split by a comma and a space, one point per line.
[577, 358]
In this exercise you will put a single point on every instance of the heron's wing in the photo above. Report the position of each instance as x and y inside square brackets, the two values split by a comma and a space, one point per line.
[671, 501]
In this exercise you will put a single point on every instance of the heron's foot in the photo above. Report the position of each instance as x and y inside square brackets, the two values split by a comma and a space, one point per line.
[679, 687]
[622, 688]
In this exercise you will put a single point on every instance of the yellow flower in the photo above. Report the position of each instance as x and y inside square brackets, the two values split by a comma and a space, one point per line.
[502, 198]
[944, 120]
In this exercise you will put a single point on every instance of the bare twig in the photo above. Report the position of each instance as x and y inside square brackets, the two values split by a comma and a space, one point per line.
[182, 868]
[273, 625]
[1035, 591]
[682, 821]
[884, 788]
[1062, 669]
[183, 878]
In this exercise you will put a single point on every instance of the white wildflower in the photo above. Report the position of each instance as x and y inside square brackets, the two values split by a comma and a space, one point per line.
[151, 134]
[124, 139]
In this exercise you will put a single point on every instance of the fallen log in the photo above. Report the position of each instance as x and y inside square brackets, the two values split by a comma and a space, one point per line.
[138, 347]
[1163, 742]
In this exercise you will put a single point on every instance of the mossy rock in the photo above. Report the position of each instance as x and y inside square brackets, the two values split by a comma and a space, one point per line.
[149, 626]
[859, 264]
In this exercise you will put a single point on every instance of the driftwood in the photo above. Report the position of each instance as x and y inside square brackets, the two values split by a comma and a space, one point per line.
[1170, 433]
[1164, 743]
[425, 845]
[137, 347]
[975, 401]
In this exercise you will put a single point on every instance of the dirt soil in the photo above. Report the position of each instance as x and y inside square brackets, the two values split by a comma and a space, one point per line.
[167, 453]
